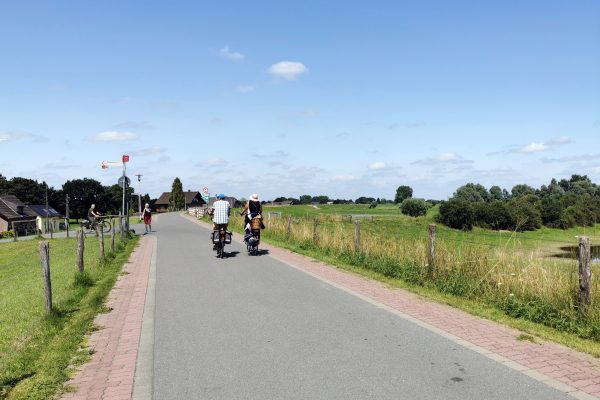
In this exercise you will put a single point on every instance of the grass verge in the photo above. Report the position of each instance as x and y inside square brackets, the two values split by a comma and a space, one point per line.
[39, 352]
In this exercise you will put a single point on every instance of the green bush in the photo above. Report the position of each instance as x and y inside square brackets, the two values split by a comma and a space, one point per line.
[458, 214]
[6, 234]
[414, 207]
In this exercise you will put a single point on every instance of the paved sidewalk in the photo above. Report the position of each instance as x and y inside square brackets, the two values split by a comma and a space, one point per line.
[572, 372]
[110, 373]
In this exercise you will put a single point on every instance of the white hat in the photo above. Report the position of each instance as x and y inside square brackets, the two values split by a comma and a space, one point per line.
[254, 197]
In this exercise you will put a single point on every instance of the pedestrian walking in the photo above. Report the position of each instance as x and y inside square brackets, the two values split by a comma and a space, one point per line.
[147, 214]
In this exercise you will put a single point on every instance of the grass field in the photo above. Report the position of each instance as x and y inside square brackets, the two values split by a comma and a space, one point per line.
[36, 350]
[513, 274]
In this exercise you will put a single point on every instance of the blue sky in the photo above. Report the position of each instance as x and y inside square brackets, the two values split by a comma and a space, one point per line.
[306, 97]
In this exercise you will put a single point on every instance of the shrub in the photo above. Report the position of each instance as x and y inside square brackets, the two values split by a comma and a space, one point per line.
[525, 213]
[6, 234]
[458, 214]
[414, 207]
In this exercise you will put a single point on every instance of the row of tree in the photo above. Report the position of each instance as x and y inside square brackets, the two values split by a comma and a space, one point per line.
[81, 194]
[561, 204]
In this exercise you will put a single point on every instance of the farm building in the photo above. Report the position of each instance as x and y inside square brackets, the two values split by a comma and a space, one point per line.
[16, 216]
[192, 199]
[46, 220]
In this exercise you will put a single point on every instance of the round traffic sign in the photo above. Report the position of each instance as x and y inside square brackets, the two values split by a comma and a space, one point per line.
[205, 190]
[124, 179]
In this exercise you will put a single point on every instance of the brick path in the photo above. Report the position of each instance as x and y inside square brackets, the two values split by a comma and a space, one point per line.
[110, 373]
[567, 370]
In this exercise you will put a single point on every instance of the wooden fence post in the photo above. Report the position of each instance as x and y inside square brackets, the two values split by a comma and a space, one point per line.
[585, 273]
[431, 251]
[67, 226]
[112, 239]
[80, 248]
[269, 220]
[101, 240]
[316, 230]
[15, 234]
[289, 226]
[357, 236]
[44, 248]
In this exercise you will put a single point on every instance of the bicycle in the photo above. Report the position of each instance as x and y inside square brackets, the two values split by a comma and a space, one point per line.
[252, 239]
[221, 237]
[90, 226]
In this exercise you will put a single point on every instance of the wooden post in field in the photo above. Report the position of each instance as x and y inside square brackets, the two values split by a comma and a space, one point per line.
[289, 226]
[431, 251]
[15, 234]
[80, 248]
[269, 220]
[585, 273]
[316, 230]
[357, 236]
[101, 240]
[112, 238]
[45, 262]
[67, 226]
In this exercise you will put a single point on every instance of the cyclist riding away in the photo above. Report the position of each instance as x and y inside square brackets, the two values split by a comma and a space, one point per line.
[221, 213]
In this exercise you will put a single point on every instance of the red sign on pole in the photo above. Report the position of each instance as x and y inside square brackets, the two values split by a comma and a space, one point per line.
[125, 158]
[205, 190]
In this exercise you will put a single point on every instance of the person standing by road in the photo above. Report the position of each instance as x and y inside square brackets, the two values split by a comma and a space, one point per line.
[147, 214]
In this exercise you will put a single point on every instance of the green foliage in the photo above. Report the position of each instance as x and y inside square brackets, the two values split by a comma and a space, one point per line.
[402, 193]
[365, 200]
[457, 213]
[564, 204]
[177, 198]
[414, 207]
[82, 194]
[7, 234]
[305, 199]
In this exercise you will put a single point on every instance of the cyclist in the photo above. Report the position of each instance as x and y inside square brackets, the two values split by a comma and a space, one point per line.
[252, 209]
[93, 216]
[221, 211]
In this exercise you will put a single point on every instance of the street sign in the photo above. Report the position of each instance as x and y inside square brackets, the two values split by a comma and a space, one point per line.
[123, 179]
[206, 199]
[205, 190]
[125, 158]
[107, 164]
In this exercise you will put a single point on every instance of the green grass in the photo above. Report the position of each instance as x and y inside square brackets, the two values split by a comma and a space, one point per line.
[37, 350]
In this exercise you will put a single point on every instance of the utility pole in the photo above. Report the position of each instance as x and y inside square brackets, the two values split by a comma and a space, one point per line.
[139, 176]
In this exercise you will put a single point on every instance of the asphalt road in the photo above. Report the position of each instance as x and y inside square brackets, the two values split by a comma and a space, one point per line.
[255, 328]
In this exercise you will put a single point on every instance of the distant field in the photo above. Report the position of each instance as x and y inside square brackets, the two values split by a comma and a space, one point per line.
[389, 220]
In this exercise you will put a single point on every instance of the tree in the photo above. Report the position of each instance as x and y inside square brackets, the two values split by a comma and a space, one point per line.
[495, 193]
[403, 193]
[305, 199]
[364, 200]
[457, 213]
[414, 207]
[28, 190]
[525, 213]
[177, 198]
[82, 194]
[472, 192]
[521, 190]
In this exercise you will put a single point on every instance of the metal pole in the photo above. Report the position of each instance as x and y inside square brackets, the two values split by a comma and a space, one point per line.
[67, 215]
[124, 185]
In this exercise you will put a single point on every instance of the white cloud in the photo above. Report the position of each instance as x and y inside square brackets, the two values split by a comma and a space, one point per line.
[560, 140]
[277, 155]
[446, 157]
[344, 178]
[231, 55]
[534, 147]
[376, 166]
[12, 136]
[113, 136]
[218, 162]
[289, 70]
[246, 88]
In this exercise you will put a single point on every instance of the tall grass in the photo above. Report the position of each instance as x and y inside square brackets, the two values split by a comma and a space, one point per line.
[519, 280]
